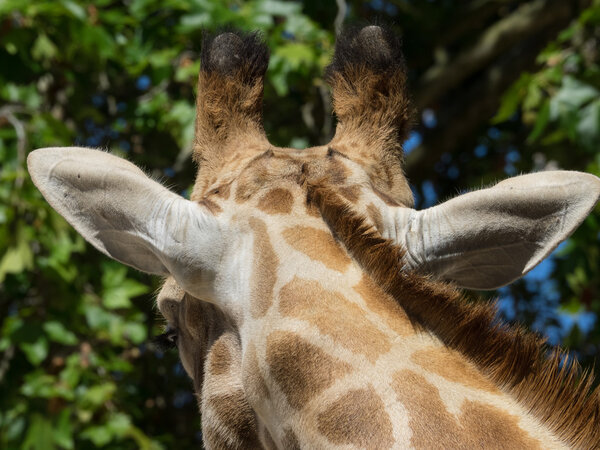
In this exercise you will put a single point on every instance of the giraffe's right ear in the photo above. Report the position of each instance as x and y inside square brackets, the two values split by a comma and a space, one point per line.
[125, 214]
[491, 237]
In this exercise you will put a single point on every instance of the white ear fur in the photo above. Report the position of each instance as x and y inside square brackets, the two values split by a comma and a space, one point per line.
[125, 214]
[489, 238]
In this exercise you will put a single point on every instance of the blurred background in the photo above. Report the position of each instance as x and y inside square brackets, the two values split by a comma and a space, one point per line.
[502, 87]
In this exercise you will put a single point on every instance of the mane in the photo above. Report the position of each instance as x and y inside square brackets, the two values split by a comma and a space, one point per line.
[545, 380]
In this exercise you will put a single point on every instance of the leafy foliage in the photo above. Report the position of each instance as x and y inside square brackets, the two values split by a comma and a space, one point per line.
[559, 107]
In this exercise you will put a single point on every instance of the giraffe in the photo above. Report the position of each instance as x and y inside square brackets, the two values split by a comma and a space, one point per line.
[301, 292]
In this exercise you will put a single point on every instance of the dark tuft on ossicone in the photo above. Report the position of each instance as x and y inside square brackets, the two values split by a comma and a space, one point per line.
[235, 53]
[375, 47]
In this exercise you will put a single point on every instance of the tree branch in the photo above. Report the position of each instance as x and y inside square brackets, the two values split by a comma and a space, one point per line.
[527, 20]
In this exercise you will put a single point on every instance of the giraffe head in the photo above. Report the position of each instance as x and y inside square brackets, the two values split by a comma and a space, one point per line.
[235, 250]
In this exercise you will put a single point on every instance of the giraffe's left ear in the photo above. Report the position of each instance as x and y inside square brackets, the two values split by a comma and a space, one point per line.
[128, 216]
[489, 238]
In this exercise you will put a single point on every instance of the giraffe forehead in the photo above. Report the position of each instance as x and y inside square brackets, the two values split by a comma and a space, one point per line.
[286, 168]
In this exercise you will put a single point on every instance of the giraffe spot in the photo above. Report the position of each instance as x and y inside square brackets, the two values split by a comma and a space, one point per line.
[253, 381]
[357, 418]
[350, 193]
[290, 440]
[220, 357]
[318, 245]
[375, 216]
[477, 426]
[216, 438]
[450, 365]
[301, 369]
[334, 316]
[277, 201]
[233, 412]
[384, 306]
[212, 206]
[265, 269]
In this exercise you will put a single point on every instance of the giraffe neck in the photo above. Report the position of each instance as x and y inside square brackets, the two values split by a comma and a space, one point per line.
[327, 358]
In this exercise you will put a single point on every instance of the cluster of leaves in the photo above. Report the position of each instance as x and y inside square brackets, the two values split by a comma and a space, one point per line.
[558, 110]
[75, 367]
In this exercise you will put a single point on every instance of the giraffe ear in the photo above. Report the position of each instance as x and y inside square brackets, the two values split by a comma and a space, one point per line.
[125, 214]
[489, 238]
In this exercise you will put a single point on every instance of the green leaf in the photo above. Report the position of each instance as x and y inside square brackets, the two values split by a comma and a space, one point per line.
[63, 432]
[511, 100]
[136, 332]
[38, 384]
[43, 48]
[542, 120]
[98, 395]
[39, 434]
[119, 424]
[588, 128]
[58, 333]
[35, 352]
[118, 290]
[296, 54]
[572, 95]
[99, 435]
[74, 8]
[119, 296]
[17, 258]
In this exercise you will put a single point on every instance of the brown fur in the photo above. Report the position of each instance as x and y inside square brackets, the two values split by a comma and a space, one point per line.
[334, 316]
[264, 274]
[374, 112]
[229, 102]
[302, 370]
[448, 364]
[318, 245]
[385, 306]
[477, 426]
[546, 381]
[358, 418]
[277, 201]
[235, 414]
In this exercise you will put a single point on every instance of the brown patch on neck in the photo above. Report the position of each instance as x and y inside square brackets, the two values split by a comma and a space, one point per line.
[334, 316]
[302, 370]
[220, 357]
[450, 365]
[318, 245]
[552, 388]
[478, 426]
[350, 193]
[385, 306]
[358, 418]
[277, 201]
[233, 412]
[265, 269]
